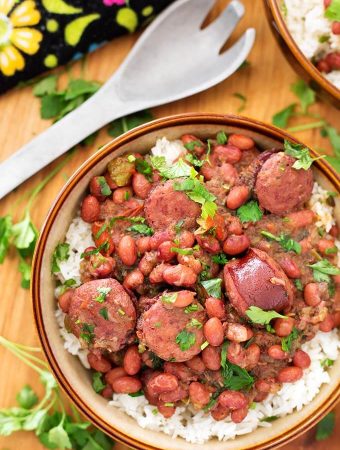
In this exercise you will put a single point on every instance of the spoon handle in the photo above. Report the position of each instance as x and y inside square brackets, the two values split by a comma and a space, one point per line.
[96, 112]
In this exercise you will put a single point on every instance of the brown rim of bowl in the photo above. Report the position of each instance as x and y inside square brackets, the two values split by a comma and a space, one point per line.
[274, 12]
[182, 119]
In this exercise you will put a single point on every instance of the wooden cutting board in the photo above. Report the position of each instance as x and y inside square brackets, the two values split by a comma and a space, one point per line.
[265, 84]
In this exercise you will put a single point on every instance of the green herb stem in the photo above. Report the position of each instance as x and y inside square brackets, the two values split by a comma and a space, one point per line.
[306, 126]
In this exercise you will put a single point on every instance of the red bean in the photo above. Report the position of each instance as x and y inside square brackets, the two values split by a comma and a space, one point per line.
[336, 28]
[212, 358]
[241, 141]
[166, 411]
[199, 149]
[237, 332]
[143, 244]
[107, 392]
[226, 154]
[190, 261]
[262, 386]
[186, 239]
[132, 362]
[90, 209]
[180, 371]
[327, 324]
[228, 173]
[199, 394]
[180, 275]
[174, 396]
[148, 263]
[208, 171]
[196, 363]
[157, 274]
[334, 231]
[219, 412]
[141, 185]
[133, 279]
[101, 266]
[290, 267]
[290, 374]
[126, 385]
[238, 415]
[98, 362]
[234, 245]
[233, 400]
[336, 319]
[184, 298]
[326, 3]
[235, 226]
[237, 196]
[323, 66]
[87, 251]
[276, 352]
[164, 251]
[311, 294]
[300, 219]
[158, 238]
[301, 359]
[121, 195]
[127, 250]
[213, 331]
[165, 382]
[209, 243]
[283, 327]
[113, 374]
[215, 308]
[325, 244]
[65, 300]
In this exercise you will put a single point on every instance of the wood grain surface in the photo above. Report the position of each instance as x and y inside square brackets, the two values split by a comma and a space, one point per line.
[266, 85]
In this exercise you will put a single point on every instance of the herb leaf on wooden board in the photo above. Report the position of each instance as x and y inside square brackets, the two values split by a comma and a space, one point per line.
[281, 118]
[304, 93]
[124, 124]
[325, 427]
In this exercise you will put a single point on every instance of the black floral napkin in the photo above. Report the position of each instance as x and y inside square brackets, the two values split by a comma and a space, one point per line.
[38, 35]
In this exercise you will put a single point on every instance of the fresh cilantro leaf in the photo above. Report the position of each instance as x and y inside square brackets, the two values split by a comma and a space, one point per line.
[191, 308]
[169, 297]
[326, 426]
[104, 187]
[327, 362]
[192, 145]
[243, 101]
[249, 212]
[197, 192]
[25, 270]
[103, 312]
[157, 362]
[285, 241]
[141, 228]
[103, 292]
[258, 315]
[66, 285]
[61, 253]
[301, 154]
[144, 168]
[298, 285]
[52, 105]
[27, 398]
[139, 393]
[281, 118]
[332, 12]
[97, 382]
[5, 234]
[334, 162]
[234, 377]
[269, 419]
[322, 269]
[124, 124]
[59, 437]
[213, 287]
[79, 87]
[176, 170]
[304, 93]
[220, 258]
[47, 85]
[194, 160]
[25, 234]
[194, 323]
[185, 340]
[87, 334]
[286, 342]
[331, 250]
[208, 209]
[221, 138]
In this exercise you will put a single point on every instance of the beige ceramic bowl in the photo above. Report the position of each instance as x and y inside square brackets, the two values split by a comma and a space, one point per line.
[73, 378]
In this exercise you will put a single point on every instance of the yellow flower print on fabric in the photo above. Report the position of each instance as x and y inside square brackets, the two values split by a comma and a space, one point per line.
[16, 34]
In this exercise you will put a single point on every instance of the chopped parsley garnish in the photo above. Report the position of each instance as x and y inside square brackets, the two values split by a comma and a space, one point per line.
[141, 228]
[176, 170]
[301, 154]
[104, 246]
[100, 231]
[185, 340]
[234, 377]
[286, 342]
[157, 362]
[194, 323]
[192, 144]
[182, 251]
[103, 292]
[258, 315]
[194, 160]
[269, 419]
[66, 285]
[243, 100]
[325, 427]
[144, 168]
[103, 312]
[137, 394]
[323, 269]
[178, 226]
[221, 138]
[104, 187]
[285, 241]
[61, 253]
[136, 219]
[191, 308]
[332, 12]
[304, 93]
[220, 258]
[157, 324]
[87, 332]
[169, 297]
[97, 382]
[213, 287]
[298, 285]
[249, 212]
[331, 250]
[327, 362]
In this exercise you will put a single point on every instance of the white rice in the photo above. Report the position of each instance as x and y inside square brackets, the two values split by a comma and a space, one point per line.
[306, 21]
[198, 427]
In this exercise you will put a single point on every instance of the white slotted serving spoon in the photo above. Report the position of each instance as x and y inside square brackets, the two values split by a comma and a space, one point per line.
[174, 58]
